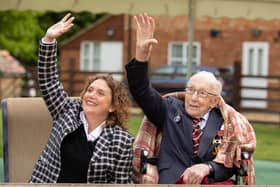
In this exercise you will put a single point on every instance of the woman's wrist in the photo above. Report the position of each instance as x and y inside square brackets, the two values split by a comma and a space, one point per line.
[47, 39]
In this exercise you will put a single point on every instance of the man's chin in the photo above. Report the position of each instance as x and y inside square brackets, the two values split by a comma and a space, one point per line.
[193, 114]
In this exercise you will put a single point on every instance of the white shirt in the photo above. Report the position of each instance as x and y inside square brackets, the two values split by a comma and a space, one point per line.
[203, 120]
[93, 135]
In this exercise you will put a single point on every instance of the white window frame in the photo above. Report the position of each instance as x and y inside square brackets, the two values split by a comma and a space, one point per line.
[249, 66]
[184, 58]
[92, 66]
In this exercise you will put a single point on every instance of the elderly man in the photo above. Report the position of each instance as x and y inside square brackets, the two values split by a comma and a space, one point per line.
[190, 128]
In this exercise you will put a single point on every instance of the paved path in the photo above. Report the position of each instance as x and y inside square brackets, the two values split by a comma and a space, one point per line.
[267, 172]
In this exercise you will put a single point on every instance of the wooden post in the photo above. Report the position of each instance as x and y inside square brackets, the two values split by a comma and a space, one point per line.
[236, 91]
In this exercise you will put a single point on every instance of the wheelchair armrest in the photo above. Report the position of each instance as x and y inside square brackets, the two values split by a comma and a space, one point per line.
[242, 171]
[245, 155]
[144, 160]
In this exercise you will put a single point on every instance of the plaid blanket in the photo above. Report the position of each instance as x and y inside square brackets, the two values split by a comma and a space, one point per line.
[238, 135]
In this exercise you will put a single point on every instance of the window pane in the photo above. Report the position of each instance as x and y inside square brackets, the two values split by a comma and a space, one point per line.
[194, 51]
[86, 49]
[250, 61]
[96, 56]
[86, 64]
[96, 49]
[177, 50]
[179, 53]
[260, 62]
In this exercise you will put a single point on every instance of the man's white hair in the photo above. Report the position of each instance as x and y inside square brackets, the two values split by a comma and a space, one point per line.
[211, 79]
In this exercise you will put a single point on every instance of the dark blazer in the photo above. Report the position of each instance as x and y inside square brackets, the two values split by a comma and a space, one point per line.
[112, 160]
[168, 114]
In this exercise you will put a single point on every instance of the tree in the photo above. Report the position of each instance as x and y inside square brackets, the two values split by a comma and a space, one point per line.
[20, 31]
[18, 34]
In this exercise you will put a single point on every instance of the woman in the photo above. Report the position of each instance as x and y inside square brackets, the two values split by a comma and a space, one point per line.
[88, 142]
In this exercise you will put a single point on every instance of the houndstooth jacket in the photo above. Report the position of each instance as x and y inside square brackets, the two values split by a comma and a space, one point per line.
[112, 160]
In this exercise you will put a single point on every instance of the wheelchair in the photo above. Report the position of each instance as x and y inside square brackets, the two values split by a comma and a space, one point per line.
[241, 172]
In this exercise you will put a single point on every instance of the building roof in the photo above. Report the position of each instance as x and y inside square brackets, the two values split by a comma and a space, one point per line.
[10, 65]
[95, 24]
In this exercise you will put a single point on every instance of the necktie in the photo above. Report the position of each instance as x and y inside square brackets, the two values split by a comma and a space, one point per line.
[196, 133]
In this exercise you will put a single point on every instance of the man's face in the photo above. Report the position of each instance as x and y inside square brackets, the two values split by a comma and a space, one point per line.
[199, 97]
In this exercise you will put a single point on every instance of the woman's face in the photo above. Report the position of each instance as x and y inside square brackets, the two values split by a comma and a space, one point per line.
[97, 99]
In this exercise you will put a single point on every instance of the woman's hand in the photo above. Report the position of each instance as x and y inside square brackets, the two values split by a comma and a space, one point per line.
[144, 36]
[59, 28]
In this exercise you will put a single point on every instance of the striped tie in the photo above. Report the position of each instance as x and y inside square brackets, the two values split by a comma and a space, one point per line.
[196, 133]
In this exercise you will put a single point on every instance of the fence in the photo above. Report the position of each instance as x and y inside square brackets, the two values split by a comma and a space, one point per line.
[260, 101]
[73, 82]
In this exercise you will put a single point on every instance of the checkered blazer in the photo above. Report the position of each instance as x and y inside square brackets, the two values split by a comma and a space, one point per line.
[112, 160]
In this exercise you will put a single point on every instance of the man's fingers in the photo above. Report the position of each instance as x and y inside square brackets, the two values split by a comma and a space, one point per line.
[136, 18]
[150, 41]
[152, 23]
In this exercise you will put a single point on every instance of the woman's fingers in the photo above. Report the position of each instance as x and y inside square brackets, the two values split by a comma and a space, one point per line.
[69, 21]
[65, 17]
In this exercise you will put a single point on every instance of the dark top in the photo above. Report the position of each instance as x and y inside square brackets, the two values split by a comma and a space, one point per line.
[76, 152]
[168, 114]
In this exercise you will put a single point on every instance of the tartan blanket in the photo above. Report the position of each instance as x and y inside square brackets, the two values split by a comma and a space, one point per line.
[238, 135]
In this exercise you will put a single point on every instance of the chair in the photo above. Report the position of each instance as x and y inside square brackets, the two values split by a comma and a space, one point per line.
[146, 147]
[26, 128]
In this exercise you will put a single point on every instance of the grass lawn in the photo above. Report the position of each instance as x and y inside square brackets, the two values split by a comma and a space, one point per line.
[268, 142]
[268, 139]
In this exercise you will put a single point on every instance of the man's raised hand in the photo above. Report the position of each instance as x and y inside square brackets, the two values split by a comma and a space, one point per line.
[144, 36]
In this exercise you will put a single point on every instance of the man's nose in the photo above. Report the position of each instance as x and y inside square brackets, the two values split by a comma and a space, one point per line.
[195, 95]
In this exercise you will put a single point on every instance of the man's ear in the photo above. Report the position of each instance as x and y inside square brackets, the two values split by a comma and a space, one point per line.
[215, 101]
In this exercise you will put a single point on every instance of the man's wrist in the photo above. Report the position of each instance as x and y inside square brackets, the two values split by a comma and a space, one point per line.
[211, 169]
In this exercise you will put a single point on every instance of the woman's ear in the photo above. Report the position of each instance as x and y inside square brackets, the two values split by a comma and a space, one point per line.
[111, 109]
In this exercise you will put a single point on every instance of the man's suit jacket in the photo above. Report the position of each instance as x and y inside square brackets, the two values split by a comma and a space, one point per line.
[168, 114]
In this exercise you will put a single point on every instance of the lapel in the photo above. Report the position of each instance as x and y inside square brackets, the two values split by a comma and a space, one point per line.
[184, 147]
[213, 124]
[103, 143]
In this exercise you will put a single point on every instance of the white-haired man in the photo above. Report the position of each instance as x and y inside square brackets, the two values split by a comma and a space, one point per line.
[186, 152]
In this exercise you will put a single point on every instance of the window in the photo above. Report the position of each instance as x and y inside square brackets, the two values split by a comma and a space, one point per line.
[255, 58]
[90, 56]
[255, 62]
[178, 53]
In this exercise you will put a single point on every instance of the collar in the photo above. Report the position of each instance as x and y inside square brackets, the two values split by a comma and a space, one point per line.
[204, 119]
[93, 135]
